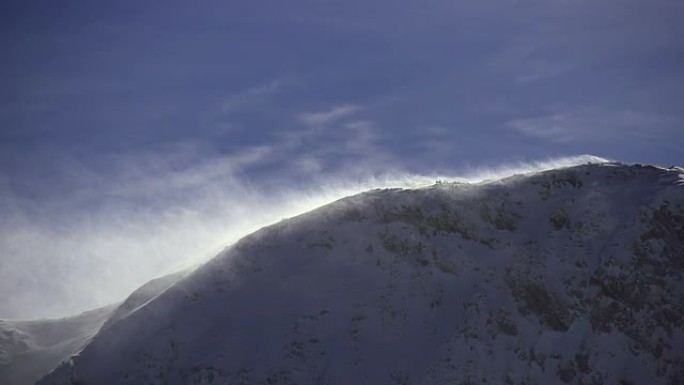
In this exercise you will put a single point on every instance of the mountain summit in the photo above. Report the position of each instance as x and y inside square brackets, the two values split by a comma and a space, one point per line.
[571, 275]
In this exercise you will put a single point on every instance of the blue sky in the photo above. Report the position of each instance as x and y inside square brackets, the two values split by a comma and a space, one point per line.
[173, 118]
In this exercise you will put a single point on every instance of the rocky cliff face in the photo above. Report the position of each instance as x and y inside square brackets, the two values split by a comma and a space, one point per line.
[566, 276]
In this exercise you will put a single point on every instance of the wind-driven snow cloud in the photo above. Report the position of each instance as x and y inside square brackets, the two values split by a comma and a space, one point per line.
[158, 213]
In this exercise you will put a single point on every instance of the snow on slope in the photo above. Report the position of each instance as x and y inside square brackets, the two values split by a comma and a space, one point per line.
[570, 275]
[31, 349]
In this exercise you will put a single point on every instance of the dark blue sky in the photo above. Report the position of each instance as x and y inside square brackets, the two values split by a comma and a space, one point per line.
[129, 109]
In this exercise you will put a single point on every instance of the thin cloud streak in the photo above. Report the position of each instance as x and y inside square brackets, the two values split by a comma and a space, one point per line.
[593, 124]
[330, 116]
[251, 95]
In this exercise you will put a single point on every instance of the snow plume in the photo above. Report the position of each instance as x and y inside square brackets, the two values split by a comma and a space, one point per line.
[97, 238]
[479, 174]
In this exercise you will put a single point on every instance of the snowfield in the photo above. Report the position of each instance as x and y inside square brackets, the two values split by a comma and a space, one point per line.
[30, 349]
[571, 275]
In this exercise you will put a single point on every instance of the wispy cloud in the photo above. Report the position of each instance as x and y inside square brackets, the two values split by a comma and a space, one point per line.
[435, 140]
[566, 36]
[344, 136]
[536, 69]
[251, 95]
[592, 124]
[529, 59]
[158, 176]
[218, 115]
[360, 137]
[329, 116]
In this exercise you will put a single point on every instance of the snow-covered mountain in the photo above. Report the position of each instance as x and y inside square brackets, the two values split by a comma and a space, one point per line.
[31, 349]
[572, 275]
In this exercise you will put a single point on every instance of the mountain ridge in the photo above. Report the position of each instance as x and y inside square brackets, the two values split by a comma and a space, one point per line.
[520, 280]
